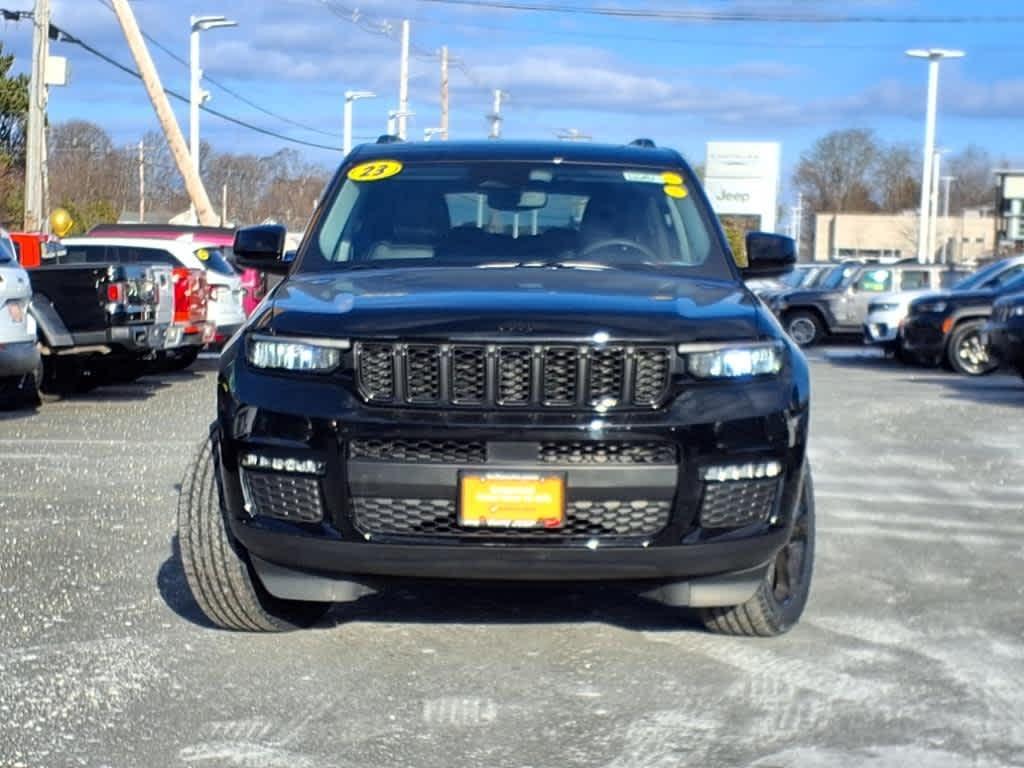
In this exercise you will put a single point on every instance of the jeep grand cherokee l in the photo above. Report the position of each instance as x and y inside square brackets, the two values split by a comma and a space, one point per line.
[506, 362]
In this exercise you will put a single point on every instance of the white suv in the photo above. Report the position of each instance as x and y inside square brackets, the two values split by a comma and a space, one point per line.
[224, 309]
[19, 354]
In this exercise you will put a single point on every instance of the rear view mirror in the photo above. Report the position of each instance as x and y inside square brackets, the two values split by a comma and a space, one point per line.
[769, 255]
[261, 248]
[515, 201]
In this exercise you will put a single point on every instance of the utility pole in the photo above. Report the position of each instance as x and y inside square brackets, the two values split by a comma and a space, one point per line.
[175, 140]
[495, 116]
[35, 138]
[142, 181]
[224, 205]
[403, 82]
[444, 93]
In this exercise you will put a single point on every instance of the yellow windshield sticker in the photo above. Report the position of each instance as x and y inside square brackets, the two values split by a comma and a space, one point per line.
[672, 179]
[678, 191]
[375, 170]
[202, 254]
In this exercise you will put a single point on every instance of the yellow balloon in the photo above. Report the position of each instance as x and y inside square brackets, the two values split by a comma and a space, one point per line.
[60, 222]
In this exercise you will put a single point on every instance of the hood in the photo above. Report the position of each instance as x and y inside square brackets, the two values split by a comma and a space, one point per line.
[456, 302]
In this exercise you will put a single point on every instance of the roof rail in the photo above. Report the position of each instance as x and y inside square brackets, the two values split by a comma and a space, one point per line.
[388, 138]
[647, 143]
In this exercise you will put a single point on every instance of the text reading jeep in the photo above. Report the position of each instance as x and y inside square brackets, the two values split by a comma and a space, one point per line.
[506, 361]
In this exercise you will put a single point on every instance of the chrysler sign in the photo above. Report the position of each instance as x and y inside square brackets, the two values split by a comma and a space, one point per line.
[742, 178]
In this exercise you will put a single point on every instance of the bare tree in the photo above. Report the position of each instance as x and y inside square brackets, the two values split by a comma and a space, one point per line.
[896, 178]
[834, 173]
[975, 182]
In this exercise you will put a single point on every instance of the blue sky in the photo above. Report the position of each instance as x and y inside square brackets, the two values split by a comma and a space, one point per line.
[615, 79]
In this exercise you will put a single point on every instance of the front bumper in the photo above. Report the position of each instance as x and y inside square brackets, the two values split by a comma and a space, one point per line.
[18, 359]
[924, 334]
[661, 535]
[1006, 340]
[883, 328]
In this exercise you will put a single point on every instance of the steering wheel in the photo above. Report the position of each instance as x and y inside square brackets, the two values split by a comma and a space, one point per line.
[619, 242]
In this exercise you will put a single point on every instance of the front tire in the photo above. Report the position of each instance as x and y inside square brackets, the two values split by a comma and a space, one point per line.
[805, 328]
[780, 600]
[217, 567]
[966, 352]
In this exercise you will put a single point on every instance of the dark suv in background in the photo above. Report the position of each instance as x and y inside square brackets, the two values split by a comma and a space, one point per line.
[507, 362]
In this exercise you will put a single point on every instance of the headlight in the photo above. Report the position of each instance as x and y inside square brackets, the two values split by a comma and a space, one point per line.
[1017, 311]
[726, 362]
[292, 354]
[930, 306]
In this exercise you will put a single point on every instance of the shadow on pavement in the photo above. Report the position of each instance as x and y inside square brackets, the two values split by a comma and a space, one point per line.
[170, 581]
[455, 603]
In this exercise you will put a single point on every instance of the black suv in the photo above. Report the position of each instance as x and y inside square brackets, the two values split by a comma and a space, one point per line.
[506, 361]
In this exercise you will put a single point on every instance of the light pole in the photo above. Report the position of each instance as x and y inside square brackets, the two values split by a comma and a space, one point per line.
[934, 56]
[394, 116]
[351, 96]
[947, 180]
[196, 96]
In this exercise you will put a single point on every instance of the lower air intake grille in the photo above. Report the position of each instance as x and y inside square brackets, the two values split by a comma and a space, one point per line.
[597, 452]
[736, 503]
[286, 497]
[437, 518]
[420, 451]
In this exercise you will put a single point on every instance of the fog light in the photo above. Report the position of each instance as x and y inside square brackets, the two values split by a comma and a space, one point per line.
[283, 464]
[753, 471]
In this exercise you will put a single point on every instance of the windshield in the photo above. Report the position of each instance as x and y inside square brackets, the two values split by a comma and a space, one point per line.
[7, 253]
[214, 260]
[510, 214]
[837, 277]
[976, 279]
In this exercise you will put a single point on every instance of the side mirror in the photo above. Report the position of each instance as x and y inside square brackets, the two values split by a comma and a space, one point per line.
[769, 255]
[261, 248]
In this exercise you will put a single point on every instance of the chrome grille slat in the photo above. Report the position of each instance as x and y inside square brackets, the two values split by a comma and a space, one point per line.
[553, 376]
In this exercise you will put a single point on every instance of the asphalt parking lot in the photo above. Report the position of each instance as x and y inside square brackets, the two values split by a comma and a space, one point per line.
[910, 653]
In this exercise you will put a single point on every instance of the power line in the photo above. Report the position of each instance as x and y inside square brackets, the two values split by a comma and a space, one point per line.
[67, 37]
[791, 17]
[228, 90]
[386, 29]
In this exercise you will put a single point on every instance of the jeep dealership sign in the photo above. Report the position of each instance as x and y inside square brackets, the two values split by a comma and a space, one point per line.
[742, 179]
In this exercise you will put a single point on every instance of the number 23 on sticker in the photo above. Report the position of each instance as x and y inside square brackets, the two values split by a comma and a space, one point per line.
[375, 170]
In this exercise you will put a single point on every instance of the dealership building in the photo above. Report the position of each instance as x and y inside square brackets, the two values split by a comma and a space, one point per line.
[966, 238]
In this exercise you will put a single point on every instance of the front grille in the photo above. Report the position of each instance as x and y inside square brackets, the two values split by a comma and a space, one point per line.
[599, 452]
[420, 451]
[287, 497]
[735, 503]
[437, 517]
[513, 376]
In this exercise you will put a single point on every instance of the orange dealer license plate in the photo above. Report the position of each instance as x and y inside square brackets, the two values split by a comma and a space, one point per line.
[511, 500]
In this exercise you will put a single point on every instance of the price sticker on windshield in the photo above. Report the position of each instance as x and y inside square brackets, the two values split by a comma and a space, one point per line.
[376, 170]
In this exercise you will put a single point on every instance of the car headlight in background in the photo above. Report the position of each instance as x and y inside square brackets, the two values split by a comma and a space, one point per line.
[930, 306]
[294, 354]
[733, 360]
[1017, 311]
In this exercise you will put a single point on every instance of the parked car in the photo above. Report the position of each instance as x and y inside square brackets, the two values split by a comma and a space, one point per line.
[253, 282]
[224, 310]
[436, 393]
[1003, 334]
[95, 322]
[20, 363]
[801, 276]
[887, 311]
[947, 327]
[839, 304]
[34, 248]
